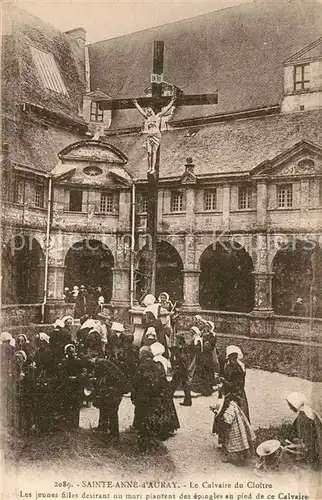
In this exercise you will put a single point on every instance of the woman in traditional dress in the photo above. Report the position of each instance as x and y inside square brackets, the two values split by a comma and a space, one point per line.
[61, 336]
[155, 414]
[166, 305]
[149, 337]
[22, 344]
[202, 367]
[234, 378]
[74, 373]
[111, 384]
[151, 317]
[306, 429]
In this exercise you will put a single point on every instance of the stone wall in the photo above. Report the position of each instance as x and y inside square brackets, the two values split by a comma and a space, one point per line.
[16, 315]
[258, 325]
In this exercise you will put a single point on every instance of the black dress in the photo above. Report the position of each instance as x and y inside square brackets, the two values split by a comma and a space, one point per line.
[204, 370]
[155, 414]
[111, 384]
[310, 431]
[234, 383]
[73, 372]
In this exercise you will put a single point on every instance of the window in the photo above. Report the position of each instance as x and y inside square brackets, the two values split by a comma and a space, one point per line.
[210, 200]
[106, 204]
[285, 196]
[302, 77]
[245, 195]
[176, 203]
[48, 71]
[18, 190]
[96, 112]
[75, 200]
[39, 195]
[144, 202]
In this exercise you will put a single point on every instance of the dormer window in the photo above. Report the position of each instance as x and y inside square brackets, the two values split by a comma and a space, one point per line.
[48, 71]
[96, 112]
[301, 77]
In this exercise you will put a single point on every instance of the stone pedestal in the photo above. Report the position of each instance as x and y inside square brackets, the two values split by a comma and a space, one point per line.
[191, 289]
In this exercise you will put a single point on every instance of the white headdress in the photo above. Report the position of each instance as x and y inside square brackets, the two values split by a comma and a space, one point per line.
[231, 349]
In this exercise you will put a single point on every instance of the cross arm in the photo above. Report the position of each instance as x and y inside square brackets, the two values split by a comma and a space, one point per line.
[145, 102]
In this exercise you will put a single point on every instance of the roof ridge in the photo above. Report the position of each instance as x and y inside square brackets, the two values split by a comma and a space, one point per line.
[305, 49]
[18, 8]
[249, 2]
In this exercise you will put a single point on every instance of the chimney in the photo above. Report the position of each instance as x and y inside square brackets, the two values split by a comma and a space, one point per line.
[78, 34]
[190, 166]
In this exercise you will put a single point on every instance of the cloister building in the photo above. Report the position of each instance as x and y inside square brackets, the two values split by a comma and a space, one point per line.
[240, 198]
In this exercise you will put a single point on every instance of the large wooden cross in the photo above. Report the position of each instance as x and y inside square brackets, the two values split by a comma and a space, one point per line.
[158, 105]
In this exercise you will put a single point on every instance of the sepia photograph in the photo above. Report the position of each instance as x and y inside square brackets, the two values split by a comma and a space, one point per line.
[161, 250]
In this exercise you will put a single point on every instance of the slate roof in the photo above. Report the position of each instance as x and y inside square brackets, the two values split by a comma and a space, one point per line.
[238, 51]
[35, 145]
[21, 81]
[224, 148]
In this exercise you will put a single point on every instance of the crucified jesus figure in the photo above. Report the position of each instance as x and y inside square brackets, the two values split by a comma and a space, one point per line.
[153, 121]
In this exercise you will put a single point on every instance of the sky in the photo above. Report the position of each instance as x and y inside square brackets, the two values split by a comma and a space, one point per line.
[104, 19]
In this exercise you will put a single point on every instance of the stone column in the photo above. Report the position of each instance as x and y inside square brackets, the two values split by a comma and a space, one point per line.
[41, 283]
[261, 317]
[121, 273]
[124, 210]
[191, 289]
[262, 202]
[121, 287]
[226, 206]
[55, 287]
[263, 291]
[190, 208]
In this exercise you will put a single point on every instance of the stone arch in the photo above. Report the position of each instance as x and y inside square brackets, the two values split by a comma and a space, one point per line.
[169, 276]
[226, 281]
[23, 264]
[297, 268]
[90, 262]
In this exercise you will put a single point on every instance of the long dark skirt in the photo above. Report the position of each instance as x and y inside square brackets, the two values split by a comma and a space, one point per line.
[155, 418]
[202, 373]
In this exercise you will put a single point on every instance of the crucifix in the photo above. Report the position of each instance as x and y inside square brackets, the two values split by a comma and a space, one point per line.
[153, 108]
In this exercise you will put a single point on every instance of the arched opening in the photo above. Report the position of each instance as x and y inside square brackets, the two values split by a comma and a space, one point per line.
[297, 280]
[226, 281]
[169, 276]
[90, 263]
[22, 271]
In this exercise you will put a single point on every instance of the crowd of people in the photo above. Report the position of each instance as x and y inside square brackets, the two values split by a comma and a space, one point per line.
[46, 382]
[89, 301]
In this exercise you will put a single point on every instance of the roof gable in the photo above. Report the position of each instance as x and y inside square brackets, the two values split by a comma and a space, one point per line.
[95, 151]
[97, 95]
[310, 52]
[302, 159]
[92, 163]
